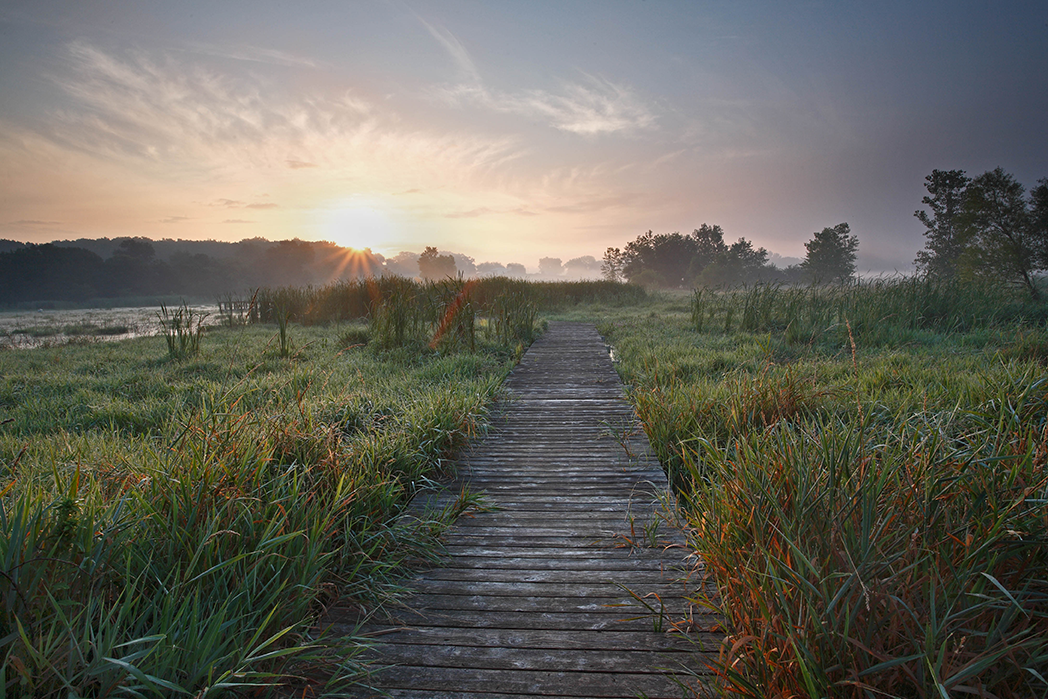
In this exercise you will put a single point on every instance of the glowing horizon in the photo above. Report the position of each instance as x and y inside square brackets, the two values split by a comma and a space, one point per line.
[505, 133]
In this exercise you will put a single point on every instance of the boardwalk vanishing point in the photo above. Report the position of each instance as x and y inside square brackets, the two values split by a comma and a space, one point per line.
[570, 583]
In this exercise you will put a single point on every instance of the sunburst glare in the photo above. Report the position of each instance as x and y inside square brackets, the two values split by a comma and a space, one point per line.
[358, 224]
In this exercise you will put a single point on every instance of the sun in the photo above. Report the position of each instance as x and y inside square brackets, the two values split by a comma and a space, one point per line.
[357, 224]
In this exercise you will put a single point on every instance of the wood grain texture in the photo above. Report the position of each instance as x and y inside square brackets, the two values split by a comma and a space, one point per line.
[572, 583]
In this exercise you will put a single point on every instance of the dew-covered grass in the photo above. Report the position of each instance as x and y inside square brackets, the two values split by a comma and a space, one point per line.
[176, 527]
[870, 494]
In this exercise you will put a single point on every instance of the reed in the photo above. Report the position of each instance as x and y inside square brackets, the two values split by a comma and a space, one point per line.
[181, 328]
[865, 473]
[351, 300]
[192, 554]
[853, 561]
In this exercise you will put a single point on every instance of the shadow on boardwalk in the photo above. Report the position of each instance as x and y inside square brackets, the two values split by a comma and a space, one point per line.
[573, 584]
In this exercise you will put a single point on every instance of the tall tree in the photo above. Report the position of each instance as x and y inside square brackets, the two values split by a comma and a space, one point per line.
[831, 255]
[433, 266]
[1039, 214]
[945, 242]
[738, 264]
[664, 257]
[709, 248]
[1005, 240]
[611, 266]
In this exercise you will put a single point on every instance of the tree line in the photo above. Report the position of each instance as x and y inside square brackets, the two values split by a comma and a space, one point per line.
[702, 258]
[85, 269]
[56, 272]
[986, 227]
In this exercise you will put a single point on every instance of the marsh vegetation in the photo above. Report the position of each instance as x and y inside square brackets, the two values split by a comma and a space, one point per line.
[175, 516]
[863, 470]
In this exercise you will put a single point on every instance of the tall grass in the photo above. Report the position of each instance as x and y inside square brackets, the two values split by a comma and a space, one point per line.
[400, 314]
[181, 328]
[869, 494]
[193, 554]
[853, 561]
[880, 312]
[343, 301]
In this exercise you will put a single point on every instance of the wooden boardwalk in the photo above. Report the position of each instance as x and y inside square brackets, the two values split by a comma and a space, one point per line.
[539, 597]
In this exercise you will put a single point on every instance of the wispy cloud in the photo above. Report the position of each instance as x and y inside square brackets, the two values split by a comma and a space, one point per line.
[235, 204]
[34, 222]
[154, 109]
[473, 213]
[254, 54]
[596, 204]
[236, 220]
[484, 211]
[174, 219]
[467, 69]
[589, 107]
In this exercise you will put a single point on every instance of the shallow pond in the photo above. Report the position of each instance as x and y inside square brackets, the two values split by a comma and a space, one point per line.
[44, 328]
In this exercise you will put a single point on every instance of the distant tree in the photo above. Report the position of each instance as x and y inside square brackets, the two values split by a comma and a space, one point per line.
[611, 266]
[465, 264]
[709, 247]
[491, 269]
[199, 274]
[791, 274]
[515, 269]
[1003, 231]
[736, 265]
[583, 267]
[403, 264]
[675, 260]
[945, 243]
[50, 273]
[664, 258]
[433, 266]
[286, 263]
[139, 248]
[551, 267]
[1039, 214]
[133, 270]
[831, 255]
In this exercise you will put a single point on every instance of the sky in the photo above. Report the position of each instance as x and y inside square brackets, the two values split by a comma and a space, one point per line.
[510, 131]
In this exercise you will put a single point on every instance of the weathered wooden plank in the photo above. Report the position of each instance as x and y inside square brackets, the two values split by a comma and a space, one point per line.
[430, 694]
[516, 658]
[604, 563]
[522, 589]
[536, 595]
[573, 639]
[619, 606]
[535, 683]
[575, 577]
[605, 552]
[597, 620]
